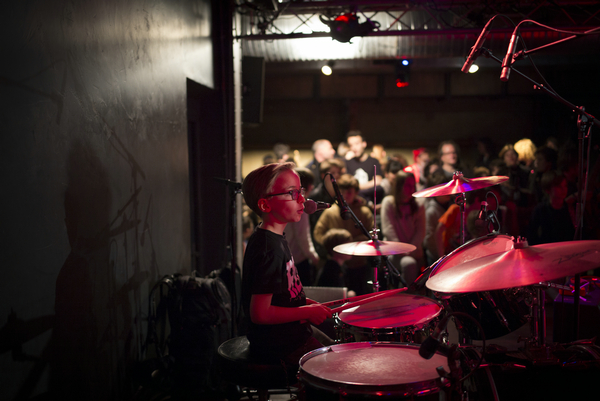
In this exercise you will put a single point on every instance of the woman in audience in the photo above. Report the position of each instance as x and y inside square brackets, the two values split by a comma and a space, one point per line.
[403, 220]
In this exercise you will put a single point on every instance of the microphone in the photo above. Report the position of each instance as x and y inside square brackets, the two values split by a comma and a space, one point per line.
[476, 48]
[483, 214]
[311, 206]
[508, 59]
[432, 343]
[344, 212]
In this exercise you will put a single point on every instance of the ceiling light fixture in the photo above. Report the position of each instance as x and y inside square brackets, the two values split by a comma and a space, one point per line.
[344, 27]
[327, 69]
[403, 73]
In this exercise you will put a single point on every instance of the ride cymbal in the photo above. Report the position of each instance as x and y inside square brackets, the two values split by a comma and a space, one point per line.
[518, 267]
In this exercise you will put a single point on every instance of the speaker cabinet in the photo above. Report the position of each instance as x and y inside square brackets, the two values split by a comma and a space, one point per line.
[253, 84]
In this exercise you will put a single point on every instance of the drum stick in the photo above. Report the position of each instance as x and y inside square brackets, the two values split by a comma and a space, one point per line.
[379, 295]
[356, 298]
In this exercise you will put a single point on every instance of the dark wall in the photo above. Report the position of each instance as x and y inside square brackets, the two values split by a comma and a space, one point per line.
[95, 183]
[302, 106]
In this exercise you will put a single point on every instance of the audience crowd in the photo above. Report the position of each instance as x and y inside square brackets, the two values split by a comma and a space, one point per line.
[538, 202]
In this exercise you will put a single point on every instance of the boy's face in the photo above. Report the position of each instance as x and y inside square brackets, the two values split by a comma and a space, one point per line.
[283, 209]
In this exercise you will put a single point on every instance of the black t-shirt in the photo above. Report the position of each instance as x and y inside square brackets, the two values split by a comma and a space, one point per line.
[269, 269]
[363, 171]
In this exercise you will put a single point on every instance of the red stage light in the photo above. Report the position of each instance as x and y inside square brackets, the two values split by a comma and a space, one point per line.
[401, 84]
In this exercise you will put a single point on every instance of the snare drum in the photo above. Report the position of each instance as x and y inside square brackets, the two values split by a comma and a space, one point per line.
[499, 312]
[400, 318]
[363, 370]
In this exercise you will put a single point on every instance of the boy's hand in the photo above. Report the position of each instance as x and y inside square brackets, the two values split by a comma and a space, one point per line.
[317, 313]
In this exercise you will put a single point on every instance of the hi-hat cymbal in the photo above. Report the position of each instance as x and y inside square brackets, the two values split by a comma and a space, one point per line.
[460, 184]
[374, 248]
[518, 267]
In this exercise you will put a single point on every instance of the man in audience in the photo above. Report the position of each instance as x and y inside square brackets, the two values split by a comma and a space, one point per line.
[322, 150]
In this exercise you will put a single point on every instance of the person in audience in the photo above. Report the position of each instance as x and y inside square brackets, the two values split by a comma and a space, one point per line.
[333, 273]
[434, 209]
[516, 189]
[389, 176]
[448, 153]
[486, 152]
[420, 160]
[332, 218]
[545, 159]
[525, 148]
[552, 218]
[403, 220]
[378, 152]
[299, 236]
[362, 166]
[322, 150]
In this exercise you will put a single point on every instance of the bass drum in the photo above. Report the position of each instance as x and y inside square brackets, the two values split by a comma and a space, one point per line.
[372, 371]
[499, 312]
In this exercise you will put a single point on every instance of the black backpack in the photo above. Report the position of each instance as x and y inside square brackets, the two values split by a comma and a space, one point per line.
[199, 320]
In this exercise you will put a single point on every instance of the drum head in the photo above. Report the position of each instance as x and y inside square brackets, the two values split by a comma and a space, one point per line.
[399, 310]
[368, 366]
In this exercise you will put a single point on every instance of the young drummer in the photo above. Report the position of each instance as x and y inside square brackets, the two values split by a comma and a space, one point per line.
[280, 315]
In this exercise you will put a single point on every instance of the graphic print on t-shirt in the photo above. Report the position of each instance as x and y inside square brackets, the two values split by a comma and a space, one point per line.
[294, 284]
[361, 176]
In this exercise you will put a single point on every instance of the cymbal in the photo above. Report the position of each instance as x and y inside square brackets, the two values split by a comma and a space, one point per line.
[518, 267]
[374, 248]
[460, 184]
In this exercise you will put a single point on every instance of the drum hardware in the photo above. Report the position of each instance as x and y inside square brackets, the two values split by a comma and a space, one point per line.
[459, 185]
[499, 312]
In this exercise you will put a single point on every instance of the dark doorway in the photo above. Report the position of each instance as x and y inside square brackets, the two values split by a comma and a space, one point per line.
[210, 161]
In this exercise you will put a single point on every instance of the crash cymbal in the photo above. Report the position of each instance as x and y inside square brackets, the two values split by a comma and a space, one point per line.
[374, 248]
[460, 184]
[518, 267]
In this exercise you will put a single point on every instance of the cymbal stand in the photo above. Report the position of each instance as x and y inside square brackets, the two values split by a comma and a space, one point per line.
[460, 200]
[585, 122]
[535, 346]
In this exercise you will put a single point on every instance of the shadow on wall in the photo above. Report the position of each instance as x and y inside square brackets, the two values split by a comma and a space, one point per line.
[79, 363]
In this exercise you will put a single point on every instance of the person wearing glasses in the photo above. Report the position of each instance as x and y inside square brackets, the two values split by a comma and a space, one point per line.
[448, 153]
[280, 317]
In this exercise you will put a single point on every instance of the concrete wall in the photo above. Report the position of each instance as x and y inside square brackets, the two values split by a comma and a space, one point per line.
[95, 183]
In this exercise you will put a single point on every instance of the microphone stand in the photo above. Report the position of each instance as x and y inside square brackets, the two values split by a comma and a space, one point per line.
[373, 237]
[584, 120]
[234, 189]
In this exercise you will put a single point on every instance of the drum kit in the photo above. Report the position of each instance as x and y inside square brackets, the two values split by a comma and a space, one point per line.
[491, 286]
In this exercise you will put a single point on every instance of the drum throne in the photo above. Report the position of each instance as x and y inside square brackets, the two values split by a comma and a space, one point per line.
[251, 373]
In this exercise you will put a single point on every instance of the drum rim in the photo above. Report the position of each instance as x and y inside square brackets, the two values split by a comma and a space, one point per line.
[420, 324]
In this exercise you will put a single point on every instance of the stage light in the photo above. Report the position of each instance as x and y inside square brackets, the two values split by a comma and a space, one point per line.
[344, 27]
[473, 69]
[402, 73]
[327, 69]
